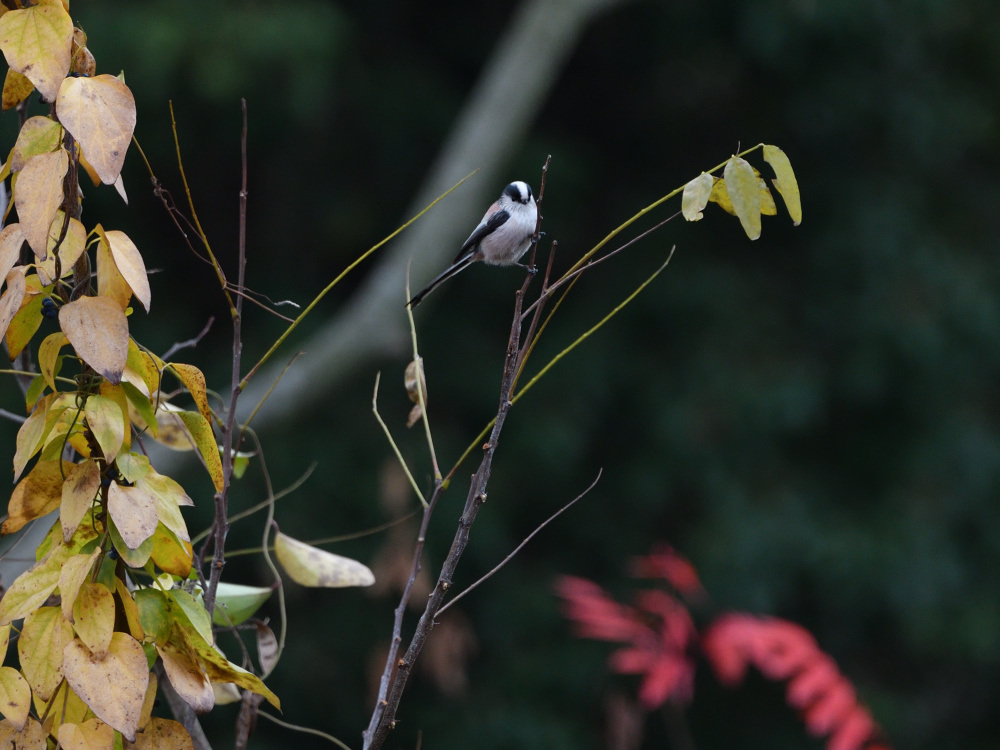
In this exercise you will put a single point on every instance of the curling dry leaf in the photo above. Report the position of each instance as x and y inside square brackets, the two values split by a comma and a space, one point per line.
[36, 42]
[311, 566]
[98, 330]
[695, 196]
[100, 113]
[114, 687]
[38, 494]
[185, 672]
[38, 194]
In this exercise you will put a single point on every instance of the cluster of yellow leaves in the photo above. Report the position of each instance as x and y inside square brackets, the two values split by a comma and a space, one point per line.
[84, 676]
[742, 192]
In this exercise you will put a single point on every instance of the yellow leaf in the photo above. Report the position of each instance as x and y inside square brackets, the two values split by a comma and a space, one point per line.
[10, 302]
[16, 88]
[134, 512]
[32, 737]
[695, 196]
[311, 566]
[38, 494]
[98, 330]
[116, 394]
[142, 368]
[114, 687]
[73, 245]
[149, 701]
[93, 734]
[194, 380]
[162, 734]
[100, 113]
[110, 282]
[185, 672]
[11, 239]
[40, 648]
[75, 571]
[38, 195]
[169, 496]
[28, 317]
[38, 135]
[785, 182]
[94, 617]
[170, 430]
[83, 481]
[36, 42]
[130, 265]
[4, 641]
[15, 697]
[170, 554]
[131, 612]
[220, 669]
[204, 441]
[48, 356]
[741, 183]
[65, 707]
[30, 435]
[107, 423]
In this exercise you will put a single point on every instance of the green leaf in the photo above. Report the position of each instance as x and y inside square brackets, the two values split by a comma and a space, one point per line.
[236, 603]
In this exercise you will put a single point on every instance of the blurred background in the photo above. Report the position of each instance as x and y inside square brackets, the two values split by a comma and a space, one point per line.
[812, 418]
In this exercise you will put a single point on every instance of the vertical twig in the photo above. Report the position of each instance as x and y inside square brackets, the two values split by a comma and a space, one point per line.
[230, 440]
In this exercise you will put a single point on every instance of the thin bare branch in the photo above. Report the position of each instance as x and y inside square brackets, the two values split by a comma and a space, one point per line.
[519, 547]
[189, 343]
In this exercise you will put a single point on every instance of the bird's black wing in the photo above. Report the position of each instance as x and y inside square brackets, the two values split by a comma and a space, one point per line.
[483, 230]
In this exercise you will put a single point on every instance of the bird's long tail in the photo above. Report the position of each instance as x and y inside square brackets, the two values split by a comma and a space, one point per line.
[456, 267]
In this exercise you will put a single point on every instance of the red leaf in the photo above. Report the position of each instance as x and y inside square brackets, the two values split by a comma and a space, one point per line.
[807, 686]
[595, 614]
[675, 569]
[854, 732]
[831, 709]
[670, 678]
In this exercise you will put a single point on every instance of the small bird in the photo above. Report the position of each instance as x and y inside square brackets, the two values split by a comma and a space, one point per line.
[502, 237]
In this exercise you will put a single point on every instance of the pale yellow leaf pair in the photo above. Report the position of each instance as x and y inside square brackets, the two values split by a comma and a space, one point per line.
[121, 271]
